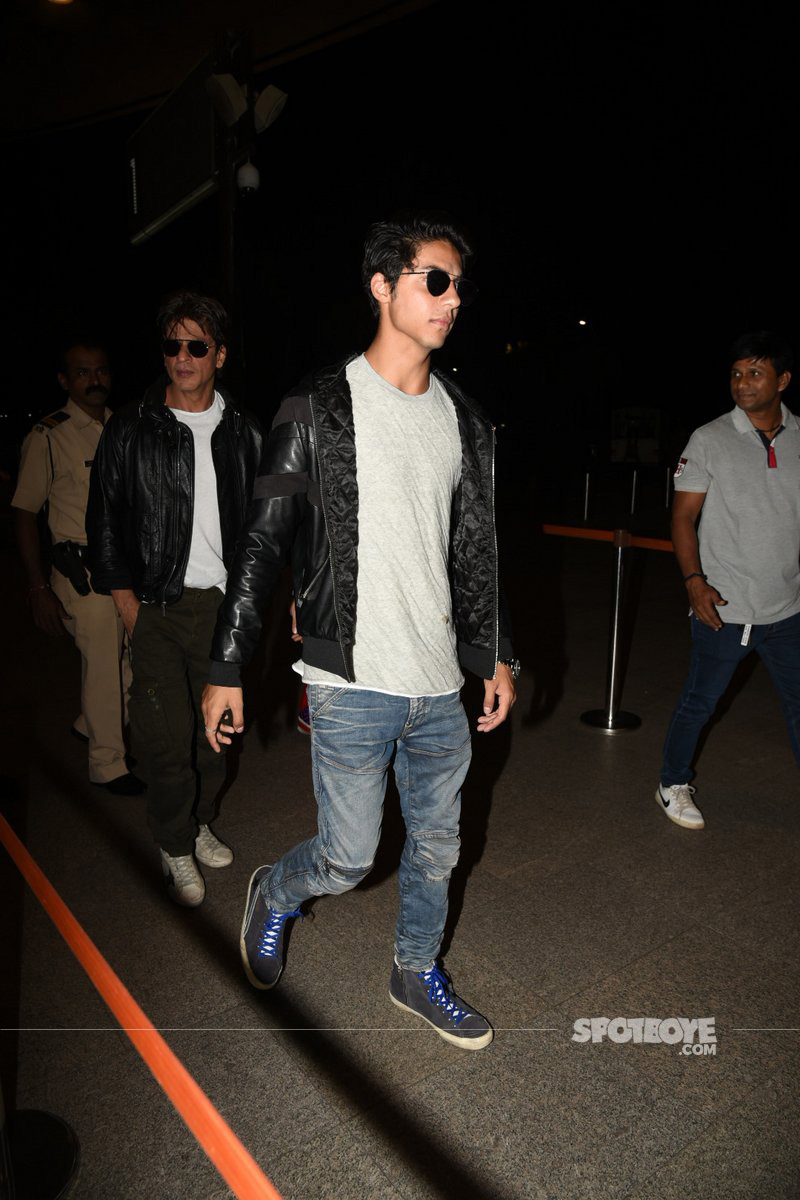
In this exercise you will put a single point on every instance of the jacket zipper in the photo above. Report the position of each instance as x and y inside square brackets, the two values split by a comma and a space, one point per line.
[494, 528]
[159, 501]
[330, 544]
[301, 599]
[175, 507]
[230, 429]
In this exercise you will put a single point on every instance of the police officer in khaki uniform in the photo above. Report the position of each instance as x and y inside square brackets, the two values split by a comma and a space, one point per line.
[56, 462]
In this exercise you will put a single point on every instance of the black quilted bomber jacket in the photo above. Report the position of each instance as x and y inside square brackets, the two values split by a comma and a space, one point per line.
[305, 504]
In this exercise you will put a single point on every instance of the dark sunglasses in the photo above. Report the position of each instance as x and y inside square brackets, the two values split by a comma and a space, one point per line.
[439, 281]
[171, 347]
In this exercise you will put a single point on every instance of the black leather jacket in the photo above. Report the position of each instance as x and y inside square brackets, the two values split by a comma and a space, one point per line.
[305, 503]
[141, 495]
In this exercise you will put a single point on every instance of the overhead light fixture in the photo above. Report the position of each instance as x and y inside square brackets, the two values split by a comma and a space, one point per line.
[268, 107]
[228, 97]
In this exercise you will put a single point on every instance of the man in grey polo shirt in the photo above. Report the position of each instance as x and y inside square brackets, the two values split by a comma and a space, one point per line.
[740, 475]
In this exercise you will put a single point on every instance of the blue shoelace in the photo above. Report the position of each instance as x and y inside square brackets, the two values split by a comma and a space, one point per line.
[439, 993]
[271, 932]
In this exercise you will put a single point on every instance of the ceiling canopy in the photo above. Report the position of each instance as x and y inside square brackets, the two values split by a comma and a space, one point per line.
[85, 60]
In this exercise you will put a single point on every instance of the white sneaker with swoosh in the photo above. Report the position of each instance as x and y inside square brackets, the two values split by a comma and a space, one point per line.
[676, 802]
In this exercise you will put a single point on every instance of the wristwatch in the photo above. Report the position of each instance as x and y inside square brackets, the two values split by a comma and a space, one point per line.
[513, 664]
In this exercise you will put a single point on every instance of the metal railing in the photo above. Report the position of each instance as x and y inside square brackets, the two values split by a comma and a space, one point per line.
[612, 718]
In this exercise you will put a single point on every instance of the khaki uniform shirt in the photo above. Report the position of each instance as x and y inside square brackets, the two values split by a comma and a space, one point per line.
[57, 458]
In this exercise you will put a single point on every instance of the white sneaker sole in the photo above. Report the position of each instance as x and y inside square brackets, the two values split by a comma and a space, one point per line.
[477, 1043]
[677, 819]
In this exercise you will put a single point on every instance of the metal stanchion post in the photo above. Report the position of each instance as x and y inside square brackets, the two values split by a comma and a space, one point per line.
[586, 498]
[633, 491]
[39, 1155]
[610, 719]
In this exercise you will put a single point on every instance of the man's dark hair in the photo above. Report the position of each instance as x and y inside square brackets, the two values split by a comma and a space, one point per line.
[205, 311]
[764, 345]
[392, 246]
[71, 343]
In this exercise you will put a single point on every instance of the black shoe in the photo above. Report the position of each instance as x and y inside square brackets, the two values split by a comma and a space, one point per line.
[263, 930]
[124, 785]
[430, 995]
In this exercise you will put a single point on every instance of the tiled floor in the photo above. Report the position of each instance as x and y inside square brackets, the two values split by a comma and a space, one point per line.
[575, 898]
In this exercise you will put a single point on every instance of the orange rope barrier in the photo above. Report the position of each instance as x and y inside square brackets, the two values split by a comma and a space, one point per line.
[607, 535]
[652, 544]
[235, 1164]
[593, 535]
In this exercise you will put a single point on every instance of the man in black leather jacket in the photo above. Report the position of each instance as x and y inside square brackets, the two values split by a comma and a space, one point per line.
[378, 479]
[170, 484]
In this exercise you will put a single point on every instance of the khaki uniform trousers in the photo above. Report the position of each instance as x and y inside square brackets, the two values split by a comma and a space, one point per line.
[98, 631]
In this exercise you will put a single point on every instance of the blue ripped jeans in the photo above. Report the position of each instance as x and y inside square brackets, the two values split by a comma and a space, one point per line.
[353, 736]
[715, 656]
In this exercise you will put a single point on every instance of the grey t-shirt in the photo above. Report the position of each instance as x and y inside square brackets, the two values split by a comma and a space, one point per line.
[408, 465]
[749, 532]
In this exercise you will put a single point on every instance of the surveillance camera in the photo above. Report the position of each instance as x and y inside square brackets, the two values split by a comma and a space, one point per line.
[248, 179]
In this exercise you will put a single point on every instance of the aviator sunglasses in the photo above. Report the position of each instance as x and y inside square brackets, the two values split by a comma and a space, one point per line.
[171, 347]
[439, 281]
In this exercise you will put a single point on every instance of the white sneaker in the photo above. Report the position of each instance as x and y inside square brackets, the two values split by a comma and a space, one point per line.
[676, 802]
[185, 884]
[210, 851]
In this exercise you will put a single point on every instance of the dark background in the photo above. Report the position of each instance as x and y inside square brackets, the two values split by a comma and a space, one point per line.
[629, 166]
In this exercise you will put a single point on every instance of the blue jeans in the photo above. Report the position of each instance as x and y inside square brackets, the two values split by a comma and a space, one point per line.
[715, 656]
[353, 736]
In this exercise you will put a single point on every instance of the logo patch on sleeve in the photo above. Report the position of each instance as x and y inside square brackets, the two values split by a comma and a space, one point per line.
[680, 467]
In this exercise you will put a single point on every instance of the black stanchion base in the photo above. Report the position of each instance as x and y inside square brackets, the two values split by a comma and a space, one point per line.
[45, 1154]
[621, 722]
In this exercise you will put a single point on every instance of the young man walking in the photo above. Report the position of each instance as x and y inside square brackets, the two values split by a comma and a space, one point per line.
[739, 477]
[378, 479]
[169, 491]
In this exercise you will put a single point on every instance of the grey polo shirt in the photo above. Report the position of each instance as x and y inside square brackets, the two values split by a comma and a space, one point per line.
[749, 530]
